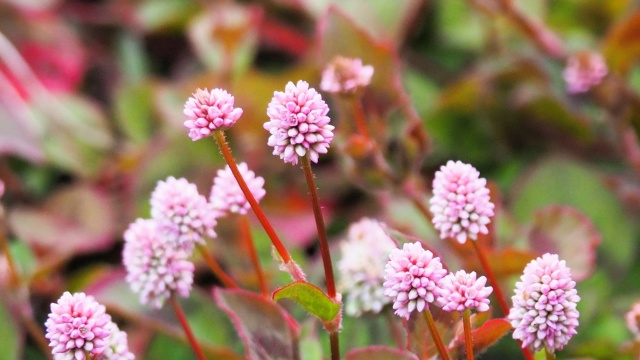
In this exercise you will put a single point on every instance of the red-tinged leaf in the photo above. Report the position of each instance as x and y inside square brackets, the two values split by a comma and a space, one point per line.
[266, 330]
[622, 44]
[566, 231]
[378, 352]
[311, 298]
[484, 336]
[505, 263]
[74, 220]
[420, 341]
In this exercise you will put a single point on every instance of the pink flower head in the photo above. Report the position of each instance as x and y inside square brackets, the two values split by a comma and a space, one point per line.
[544, 305]
[77, 323]
[156, 267]
[633, 320]
[412, 276]
[345, 75]
[1, 188]
[117, 345]
[179, 208]
[462, 291]
[298, 123]
[226, 195]
[460, 204]
[583, 71]
[208, 111]
[364, 255]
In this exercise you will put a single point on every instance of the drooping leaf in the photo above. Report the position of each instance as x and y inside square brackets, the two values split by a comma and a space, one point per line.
[485, 336]
[311, 298]
[569, 233]
[266, 330]
[380, 353]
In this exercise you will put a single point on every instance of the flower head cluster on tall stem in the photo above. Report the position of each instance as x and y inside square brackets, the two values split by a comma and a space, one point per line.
[117, 345]
[208, 111]
[345, 75]
[412, 276]
[227, 197]
[584, 70]
[462, 291]
[298, 123]
[77, 325]
[364, 255]
[178, 207]
[460, 204]
[156, 266]
[544, 313]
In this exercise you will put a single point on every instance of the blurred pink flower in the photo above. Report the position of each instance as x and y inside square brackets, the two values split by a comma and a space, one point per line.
[345, 75]
[298, 123]
[1, 188]
[179, 208]
[226, 195]
[633, 319]
[460, 204]
[364, 255]
[156, 267]
[462, 291]
[117, 345]
[584, 70]
[544, 305]
[77, 323]
[208, 111]
[412, 277]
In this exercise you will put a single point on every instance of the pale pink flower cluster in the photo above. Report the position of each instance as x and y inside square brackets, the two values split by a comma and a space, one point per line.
[77, 323]
[364, 255]
[156, 266]
[460, 204]
[298, 123]
[583, 71]
[633, 320]
[346, 75]
[208, 111]
[412, 277]
[117, 345]
[463, 290]
[178, 207]
[227, 197]
[544, 313]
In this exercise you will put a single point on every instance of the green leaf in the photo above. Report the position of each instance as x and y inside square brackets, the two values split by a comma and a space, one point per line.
[133, 105]
[311, 298]
[11, 339]
[377, 352]
[266, 330]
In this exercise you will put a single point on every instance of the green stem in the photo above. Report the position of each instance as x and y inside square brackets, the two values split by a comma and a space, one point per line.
[549, 355]
[322, 232]
[253, 254]
[225, 279]
[187, 329]
[289, 264]
[435, 335]
[468, 340]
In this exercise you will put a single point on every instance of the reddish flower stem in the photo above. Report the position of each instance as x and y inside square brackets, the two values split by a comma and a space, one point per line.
[322, 232]
[468, 340]
[187, 329]
[334, 340]
[226, 280]
[290, 265]
[358, 114]
[245, 229]
[435, 335]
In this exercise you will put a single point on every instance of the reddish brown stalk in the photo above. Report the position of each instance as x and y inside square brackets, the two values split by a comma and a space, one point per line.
[549, 355]
[322, 232]
[225, 279]
[187, 329]
[290, 265]
[468, 340]
[435, 335]
[245, 230]
[358, 114]
[334, 340]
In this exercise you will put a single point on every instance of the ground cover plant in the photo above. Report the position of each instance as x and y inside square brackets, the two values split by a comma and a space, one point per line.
[319, 179]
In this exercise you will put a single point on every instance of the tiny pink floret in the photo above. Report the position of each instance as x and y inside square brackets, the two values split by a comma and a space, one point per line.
[346, 76]
[462, 290]
[208, 111]
[298, 123]
[227, 196]
[412, 276]
[460, 204]
[584, 70]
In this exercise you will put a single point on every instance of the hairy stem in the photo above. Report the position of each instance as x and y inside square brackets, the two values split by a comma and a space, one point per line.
[187, 329]
[253, 254]
[468, 340]
[435, 335]
[225, 279]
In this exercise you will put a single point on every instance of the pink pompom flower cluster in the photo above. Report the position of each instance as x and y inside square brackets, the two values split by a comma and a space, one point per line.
[298, 123]
[227, 196]
[460, 204]
[544, 313]
[462, 290]
[346, 76]
[208, 111]
[583, 71]
[117, 345]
